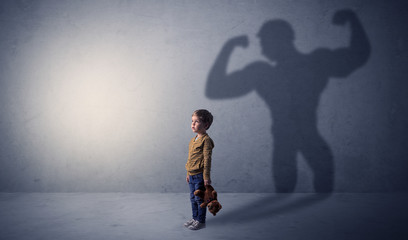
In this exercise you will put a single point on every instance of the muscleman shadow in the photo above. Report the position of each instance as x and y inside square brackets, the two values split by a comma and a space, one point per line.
[291, 83]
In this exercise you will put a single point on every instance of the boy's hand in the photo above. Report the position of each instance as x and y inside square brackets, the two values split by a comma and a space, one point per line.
[207, 182]
[187, 179]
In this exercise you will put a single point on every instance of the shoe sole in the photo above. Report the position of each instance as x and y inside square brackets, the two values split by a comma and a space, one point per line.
[198, 228]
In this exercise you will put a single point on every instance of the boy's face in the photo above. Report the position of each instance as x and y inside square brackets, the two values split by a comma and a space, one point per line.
[197, 125]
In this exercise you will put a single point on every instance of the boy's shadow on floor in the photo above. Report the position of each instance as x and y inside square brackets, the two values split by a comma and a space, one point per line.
[267, 207]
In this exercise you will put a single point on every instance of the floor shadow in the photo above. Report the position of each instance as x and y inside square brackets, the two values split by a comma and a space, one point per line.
[268, 207]
[291, 83]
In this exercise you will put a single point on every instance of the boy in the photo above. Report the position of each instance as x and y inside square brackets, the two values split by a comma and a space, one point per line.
[198, 165]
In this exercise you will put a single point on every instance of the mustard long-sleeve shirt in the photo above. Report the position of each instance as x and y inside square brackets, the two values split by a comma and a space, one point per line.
[199, 156]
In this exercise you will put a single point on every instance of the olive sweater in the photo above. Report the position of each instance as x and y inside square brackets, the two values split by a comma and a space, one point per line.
[199, 156]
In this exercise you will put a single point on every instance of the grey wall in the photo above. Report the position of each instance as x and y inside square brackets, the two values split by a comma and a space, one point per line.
[98, 95]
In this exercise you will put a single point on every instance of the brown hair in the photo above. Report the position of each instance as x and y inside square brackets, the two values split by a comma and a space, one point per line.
[205, 116]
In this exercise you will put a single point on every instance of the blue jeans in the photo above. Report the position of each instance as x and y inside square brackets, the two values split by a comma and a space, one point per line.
[197, 182]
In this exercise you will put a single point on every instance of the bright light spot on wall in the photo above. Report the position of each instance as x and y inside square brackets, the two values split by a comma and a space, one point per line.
[88, 96]
[88, 99]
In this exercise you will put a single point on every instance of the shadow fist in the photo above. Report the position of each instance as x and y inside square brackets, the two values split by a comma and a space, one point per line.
[240, 41]
[341, 17]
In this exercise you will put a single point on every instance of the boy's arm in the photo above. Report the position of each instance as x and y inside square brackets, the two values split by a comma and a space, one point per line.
[207, 152]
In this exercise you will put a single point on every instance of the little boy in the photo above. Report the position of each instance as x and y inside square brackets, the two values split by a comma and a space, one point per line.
[198, 165]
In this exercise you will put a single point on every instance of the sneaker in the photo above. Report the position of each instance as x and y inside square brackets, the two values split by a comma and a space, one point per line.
[196, 226]
[190, 222]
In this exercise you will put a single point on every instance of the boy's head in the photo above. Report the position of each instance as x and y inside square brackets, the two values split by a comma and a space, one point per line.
[205, 117]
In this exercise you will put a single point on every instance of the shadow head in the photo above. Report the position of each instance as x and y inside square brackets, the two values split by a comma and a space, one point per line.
[276, 38]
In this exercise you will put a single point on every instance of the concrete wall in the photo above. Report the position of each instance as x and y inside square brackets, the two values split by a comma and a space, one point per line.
[98, 96]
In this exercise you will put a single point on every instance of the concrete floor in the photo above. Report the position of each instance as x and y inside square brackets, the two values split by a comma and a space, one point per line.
[99, 216]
